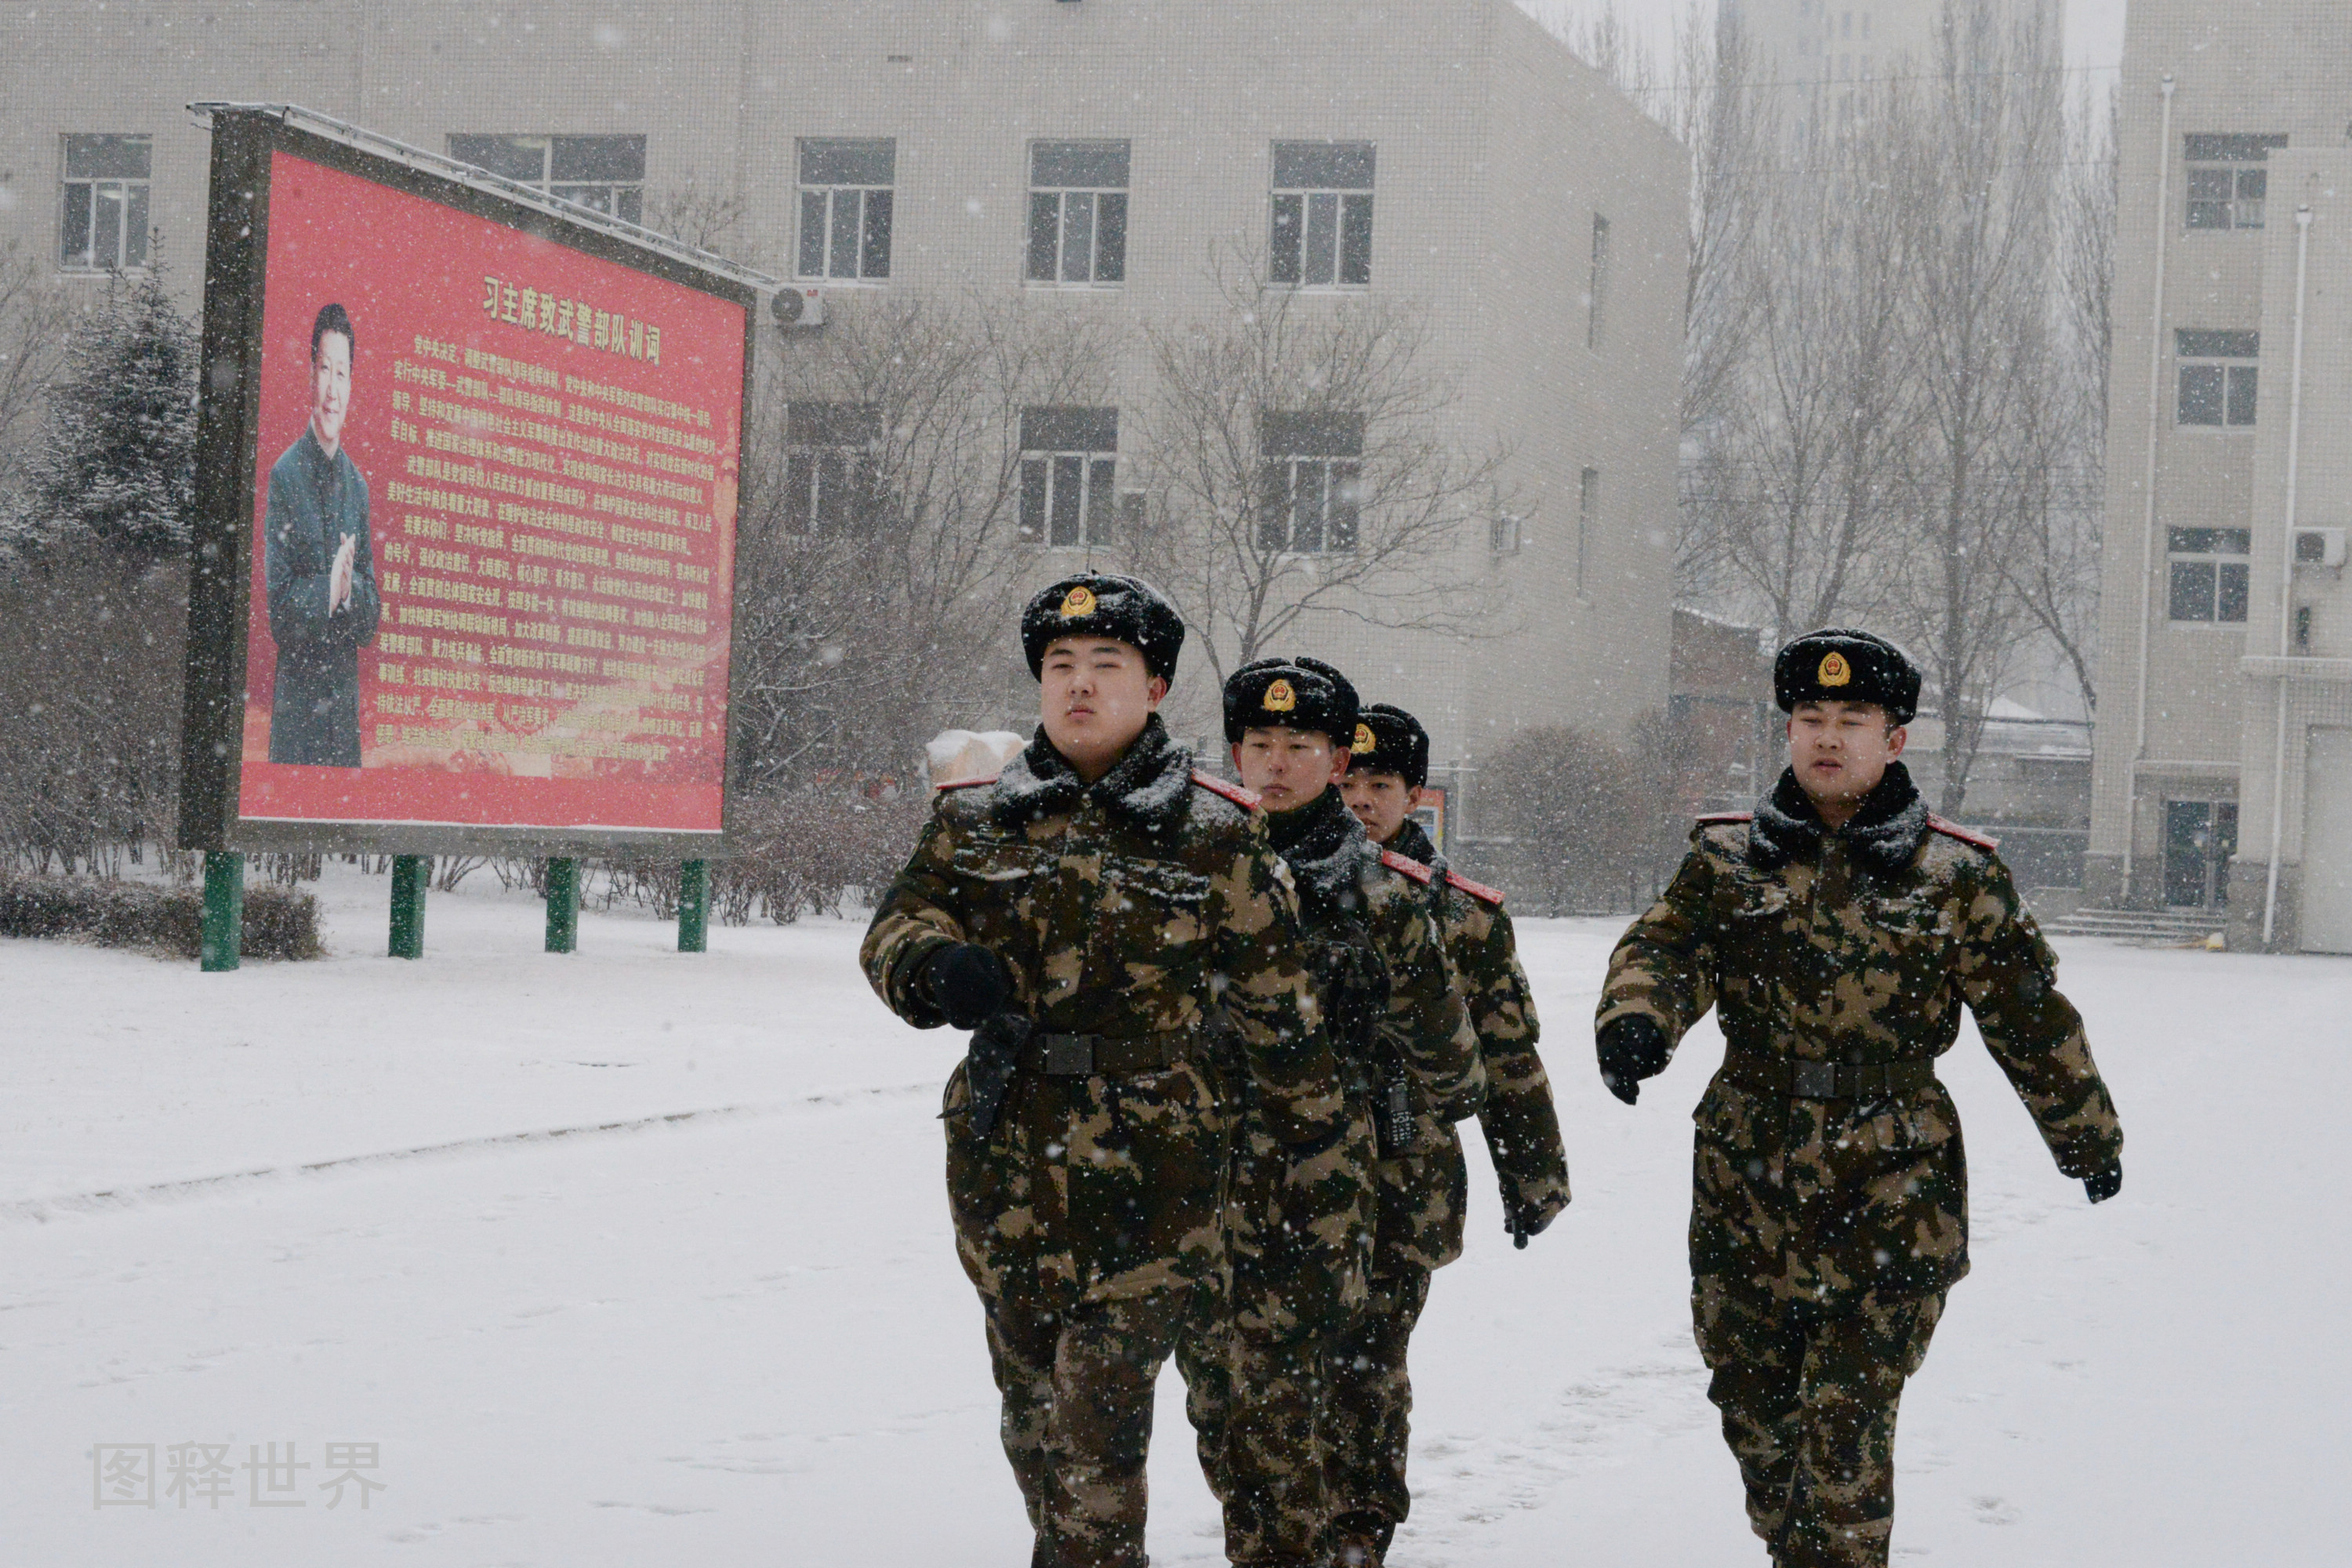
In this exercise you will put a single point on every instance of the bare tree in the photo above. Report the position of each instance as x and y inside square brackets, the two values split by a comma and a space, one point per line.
[1980, 145]
[703, 216]
[1579, 812]
[1792, 489]
[1712, 108]
[1600, 36]
[1301, 458]
[2054, 569]
[1895, 349]
[35, 323]
[879, 534]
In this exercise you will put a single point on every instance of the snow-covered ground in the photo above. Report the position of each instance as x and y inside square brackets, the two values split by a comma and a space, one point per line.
[739, 1336]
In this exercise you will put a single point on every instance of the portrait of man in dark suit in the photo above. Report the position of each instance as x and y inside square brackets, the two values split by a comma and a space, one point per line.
[320, 567]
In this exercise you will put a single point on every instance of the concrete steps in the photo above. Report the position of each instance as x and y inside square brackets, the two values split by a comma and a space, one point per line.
[2151, 928]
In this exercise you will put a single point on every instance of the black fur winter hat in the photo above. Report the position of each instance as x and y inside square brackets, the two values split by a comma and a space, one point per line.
[1390, 741]
[1291, 694]
[1839, 665]
[1105, 605]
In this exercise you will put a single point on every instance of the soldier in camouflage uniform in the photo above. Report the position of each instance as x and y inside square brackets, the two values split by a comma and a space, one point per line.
[1422, 1197]
[1840, 928]
[1260, 1362]
[1086, 911]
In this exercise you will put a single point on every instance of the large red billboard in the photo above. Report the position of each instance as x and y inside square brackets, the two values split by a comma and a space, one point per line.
[493, 525]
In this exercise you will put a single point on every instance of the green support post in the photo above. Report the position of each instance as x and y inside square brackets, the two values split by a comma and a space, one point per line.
[693, 907]
[223, 942]
[562, 905]
[409, 875]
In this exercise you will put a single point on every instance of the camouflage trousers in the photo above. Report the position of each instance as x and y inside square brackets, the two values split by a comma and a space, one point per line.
[1254, 1348]
[1367, 1422]
[1077, 1420]
[1808, 1402]
[1255, 1407]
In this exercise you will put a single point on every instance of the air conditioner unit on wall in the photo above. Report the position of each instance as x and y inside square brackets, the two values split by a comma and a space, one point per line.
[2319, 547]
[797, 307]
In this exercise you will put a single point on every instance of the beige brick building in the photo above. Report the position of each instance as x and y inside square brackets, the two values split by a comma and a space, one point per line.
[1448, 154]
[2223, 754]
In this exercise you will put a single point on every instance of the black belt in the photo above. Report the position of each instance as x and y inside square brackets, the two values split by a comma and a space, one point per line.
[1827, 1080]
[1103, 1055]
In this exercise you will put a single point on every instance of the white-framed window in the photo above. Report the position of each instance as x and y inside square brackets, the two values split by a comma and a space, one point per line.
[1322, 234]
[1077, 212]
[2227, 182]
[1069, 473]
[1597, 284]
[2209, 569]
[1503, 533]
[1310, 482]
[104, 217]
[830, 459]
[1588, 523]
[603, 174]
[2218, 377]
[847, 190]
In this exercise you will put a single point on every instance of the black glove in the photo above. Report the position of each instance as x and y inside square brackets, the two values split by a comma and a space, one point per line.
[1631, 1049]
[2104, 1184]
[967, 983]
[1527, 1220]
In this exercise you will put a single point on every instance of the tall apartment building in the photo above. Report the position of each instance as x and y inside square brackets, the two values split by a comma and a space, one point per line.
[1446, 153]
[2223, 759]
[1823, 43]
[1821, 57]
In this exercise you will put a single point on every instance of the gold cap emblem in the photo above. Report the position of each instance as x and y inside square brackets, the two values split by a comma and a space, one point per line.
[1835, 670]
[1078, 601]
[1366, 742]
[1280, 698]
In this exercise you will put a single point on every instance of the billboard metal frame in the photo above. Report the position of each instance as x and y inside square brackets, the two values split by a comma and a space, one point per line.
[245, 137]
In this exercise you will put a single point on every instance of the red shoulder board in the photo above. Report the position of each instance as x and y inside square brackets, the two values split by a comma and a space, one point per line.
[1232, 791]
[1478, 891]
[1954, 830]
[963, 784]
[1405, 865]
[1728, 817]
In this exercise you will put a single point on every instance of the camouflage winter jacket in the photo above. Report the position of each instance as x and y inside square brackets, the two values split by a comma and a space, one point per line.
[1354, 893]
[1127, 909]
[1857, 947]
[1521, 1125]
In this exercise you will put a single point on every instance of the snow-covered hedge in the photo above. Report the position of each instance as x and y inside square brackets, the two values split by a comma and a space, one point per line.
[279, 922]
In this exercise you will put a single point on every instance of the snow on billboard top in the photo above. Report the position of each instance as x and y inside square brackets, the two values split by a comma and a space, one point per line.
[490, 570]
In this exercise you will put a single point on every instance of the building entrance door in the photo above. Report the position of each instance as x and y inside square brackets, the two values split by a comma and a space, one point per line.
[2327, 843]
[2200, 837]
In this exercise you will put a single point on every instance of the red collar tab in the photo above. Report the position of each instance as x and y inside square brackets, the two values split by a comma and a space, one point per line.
[1728, 817]
[1232, 791]
[963, 784]
[1478, 891]
[1405, 864]
[1954, 830]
